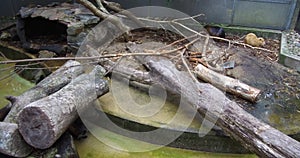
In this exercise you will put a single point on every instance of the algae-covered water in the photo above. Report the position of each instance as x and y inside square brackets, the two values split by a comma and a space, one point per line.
[93, 148]
[11, 84]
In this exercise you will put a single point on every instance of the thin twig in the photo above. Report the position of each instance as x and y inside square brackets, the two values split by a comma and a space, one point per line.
[186, 65]
[114, 66]
[101, 7]
[205, 56]
[86, 58]
[3, 55]
[7, 76]
[150, 53]
[179, 32]
[117, 8]
[7, 68]
[175, 42]
[192, 17]
[204, 35]
[190, 43]
[205, 45]
[111, 18]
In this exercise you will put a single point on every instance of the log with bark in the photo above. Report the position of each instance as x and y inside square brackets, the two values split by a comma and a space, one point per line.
[227, 84]
[13, 140]
[49, 85]
[42, 122]
[210, 102]
[64, 147]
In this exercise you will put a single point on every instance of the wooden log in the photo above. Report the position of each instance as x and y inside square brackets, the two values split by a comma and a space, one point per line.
[253, 134]
[42, 122]
[12, 142]
[127, 72]
[49, 85]
[78, 130]
[4, 111]
[64, 147]
[227, 84]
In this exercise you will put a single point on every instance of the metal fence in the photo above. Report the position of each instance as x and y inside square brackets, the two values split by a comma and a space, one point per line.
[270, 14]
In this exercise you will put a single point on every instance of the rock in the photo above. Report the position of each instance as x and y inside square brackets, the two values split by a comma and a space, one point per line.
[75, 29]
[69, 22]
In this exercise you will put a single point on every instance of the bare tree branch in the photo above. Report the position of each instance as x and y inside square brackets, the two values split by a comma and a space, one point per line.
[101, 7]
[117, 8]
[113, 19]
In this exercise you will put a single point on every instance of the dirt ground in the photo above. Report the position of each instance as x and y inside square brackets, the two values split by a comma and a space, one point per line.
[280, 86]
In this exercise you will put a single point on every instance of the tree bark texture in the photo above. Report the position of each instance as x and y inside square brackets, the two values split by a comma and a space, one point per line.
[13, 140]
[227, 84]
[253, 134]
[42, 122]
[49, 85]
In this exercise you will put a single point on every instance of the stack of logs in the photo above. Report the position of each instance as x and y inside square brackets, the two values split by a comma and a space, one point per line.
[41, 115]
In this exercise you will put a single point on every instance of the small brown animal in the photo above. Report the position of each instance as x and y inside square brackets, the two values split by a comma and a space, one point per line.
[252, 40]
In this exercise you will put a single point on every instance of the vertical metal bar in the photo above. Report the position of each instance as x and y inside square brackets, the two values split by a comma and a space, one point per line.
[292, 12]
[233, 11]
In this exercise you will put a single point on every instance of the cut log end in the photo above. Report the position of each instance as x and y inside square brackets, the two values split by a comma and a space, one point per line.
[36, 128]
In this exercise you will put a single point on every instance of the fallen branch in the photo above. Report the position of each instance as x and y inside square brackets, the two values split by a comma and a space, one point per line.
[101, 7]
[186, 66]
[42, 122]
[227, 84]
[128, 72]
[150, 52]
[175, 21]
[117, 8]
[113, 19]
[253, 134]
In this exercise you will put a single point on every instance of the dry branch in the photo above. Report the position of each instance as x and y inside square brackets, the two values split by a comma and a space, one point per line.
[42, 122]
[101, 7]
[201, 34]
[117, 8]
[128, 72]
[227, 84]
[113, 19]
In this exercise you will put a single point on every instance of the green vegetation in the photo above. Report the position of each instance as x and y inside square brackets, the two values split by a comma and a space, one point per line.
[94, 148]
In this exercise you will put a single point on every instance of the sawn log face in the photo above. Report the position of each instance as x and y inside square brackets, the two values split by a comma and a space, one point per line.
[42, 122]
